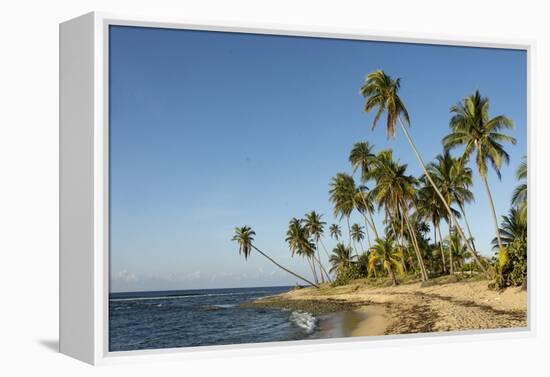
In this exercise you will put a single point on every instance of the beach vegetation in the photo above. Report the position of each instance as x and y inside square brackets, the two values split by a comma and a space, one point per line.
[422, 216]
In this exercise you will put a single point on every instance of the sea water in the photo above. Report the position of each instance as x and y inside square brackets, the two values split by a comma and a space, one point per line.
[188, 318]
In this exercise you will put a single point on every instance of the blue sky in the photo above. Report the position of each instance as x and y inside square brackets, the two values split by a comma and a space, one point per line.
[209, 131]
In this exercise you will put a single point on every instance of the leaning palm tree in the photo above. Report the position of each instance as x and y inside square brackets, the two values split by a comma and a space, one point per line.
[244, 236]
[341, 258]
[519, 197]
[513, 227]
[386, 252]
[381, 93]
[358, 235]
[362, 158]
[315, 227]
[472, 128]
[342, 195]
[335, 231]
[300, 244]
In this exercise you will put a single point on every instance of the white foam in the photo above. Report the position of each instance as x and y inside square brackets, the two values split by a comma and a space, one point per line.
[304, 320]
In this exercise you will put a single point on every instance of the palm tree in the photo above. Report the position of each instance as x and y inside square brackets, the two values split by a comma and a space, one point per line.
[456, 248]
[395, 190]
[449, 178]
[342, 195]
[341, 258]
[300, 244]
[381, 93]
[385, 252]
[430, 208]
[361, 157]
[513, 227]
[462, 177]
[335, 231]
[315, 227]
[364, 205]
[519, 197]
[244, 236]
[472, 128]
[358, 235]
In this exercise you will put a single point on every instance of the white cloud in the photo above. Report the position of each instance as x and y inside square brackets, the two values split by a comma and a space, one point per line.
[126, 276]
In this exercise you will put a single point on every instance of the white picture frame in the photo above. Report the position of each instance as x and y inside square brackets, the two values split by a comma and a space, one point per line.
[84, 190]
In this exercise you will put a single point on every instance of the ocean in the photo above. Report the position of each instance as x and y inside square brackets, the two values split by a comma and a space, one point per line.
[188, 318]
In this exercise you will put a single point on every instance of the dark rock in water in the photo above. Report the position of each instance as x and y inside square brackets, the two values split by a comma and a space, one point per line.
[314, 307]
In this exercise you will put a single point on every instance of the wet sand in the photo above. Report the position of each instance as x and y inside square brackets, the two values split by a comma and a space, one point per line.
[365, 321]
[358, 309]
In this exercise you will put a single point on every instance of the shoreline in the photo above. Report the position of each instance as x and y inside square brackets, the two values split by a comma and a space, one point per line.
[370, 320]
[359, 309]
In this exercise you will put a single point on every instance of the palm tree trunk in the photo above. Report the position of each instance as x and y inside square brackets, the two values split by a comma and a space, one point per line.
[419, 158]
[324, 248]
[467, 226]
[401, 241]
[322, 270]
[283, 268]
[371, 223]
[423, 273]
[441, 248]
[451, 267]
[405, 217]
[367, 231]
[312, 266]
[392, 276]
[319, 262]
[362, 248]
[494, 213]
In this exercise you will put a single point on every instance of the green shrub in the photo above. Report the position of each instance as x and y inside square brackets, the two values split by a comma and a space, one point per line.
[346, 275]
[511, 265]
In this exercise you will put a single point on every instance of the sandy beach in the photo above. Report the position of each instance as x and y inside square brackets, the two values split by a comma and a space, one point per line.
[361, 310]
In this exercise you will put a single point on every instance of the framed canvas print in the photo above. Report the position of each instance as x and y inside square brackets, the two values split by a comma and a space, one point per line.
[227, 189]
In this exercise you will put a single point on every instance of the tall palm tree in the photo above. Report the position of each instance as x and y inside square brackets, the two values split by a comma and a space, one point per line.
[449, 178]
[300, 244]
[342, 195]
[519, 197]
[431, 209]
[462, 177]
[381, 93]
[361, 158]
[388, 254]
[244, 236]
[513, 227]
[358, 235]
[335, 231]
[341, 258]
[315, 228]
[472, 128]
[395, 190]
